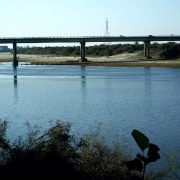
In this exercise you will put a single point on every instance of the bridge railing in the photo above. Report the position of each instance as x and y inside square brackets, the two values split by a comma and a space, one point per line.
[56, 37]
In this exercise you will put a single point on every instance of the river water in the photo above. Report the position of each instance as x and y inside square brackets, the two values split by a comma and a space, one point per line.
[121, 98]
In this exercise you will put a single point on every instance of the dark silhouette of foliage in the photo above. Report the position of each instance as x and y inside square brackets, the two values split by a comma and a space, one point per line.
[48, 156]
[141, 161]
[57, 154]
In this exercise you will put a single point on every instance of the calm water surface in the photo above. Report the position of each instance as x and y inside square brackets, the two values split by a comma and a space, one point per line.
[123, 99]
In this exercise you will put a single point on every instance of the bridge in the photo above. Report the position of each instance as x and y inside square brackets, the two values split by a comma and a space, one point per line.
[83, 39]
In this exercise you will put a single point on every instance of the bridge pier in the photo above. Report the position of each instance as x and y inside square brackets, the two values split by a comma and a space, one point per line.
[82, 52]
[15, 61]
[147, 49]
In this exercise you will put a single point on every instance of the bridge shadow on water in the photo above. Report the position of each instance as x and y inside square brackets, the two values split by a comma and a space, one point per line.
[15, 75]
[15, 85]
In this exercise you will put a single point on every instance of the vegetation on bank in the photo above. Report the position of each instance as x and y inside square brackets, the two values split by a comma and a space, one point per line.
[165, 50]
[57, 154]
[97, 50]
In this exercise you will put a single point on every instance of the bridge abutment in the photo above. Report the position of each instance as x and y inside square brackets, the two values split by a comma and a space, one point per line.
[82, 52]
[147, 49]
[15, 61]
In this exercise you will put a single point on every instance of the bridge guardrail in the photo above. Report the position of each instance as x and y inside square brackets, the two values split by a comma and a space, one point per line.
[55, 37]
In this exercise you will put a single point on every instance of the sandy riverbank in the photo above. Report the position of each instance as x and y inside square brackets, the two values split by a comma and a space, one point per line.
[126, 60]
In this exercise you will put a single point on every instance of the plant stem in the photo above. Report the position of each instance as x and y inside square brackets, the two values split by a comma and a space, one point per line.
[144, 168]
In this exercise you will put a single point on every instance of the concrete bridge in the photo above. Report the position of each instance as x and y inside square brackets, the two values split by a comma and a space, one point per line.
[83, 39]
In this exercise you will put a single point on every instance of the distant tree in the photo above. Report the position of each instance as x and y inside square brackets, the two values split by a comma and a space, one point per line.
[136, 43]
[118, 50]
[170, 49]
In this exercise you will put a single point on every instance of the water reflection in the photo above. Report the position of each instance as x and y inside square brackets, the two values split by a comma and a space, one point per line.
[83, 85]
[15, 75]
[83, 71]
[15, 84]
[15, 80]
[147, 80]
[83, 77]
[147, 75]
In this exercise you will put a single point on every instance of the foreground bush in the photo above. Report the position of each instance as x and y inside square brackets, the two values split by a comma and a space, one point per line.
[56, 154]
[48, 156]
[100, 162]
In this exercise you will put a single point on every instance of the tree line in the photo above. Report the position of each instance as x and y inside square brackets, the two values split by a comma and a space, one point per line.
[164, 50]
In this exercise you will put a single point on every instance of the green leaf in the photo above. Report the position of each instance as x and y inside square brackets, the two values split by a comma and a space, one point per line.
[141, 139]
[142, 158]
[153, 154]
[135, 164]
[153, 149]
[153, 158]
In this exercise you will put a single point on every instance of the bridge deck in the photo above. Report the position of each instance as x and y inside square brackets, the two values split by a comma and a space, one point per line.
[6, 40]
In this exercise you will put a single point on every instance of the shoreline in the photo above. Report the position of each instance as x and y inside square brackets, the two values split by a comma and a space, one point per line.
[122, 60]
[167, 64]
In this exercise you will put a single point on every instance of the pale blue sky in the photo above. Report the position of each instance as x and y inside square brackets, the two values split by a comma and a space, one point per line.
[37, 18]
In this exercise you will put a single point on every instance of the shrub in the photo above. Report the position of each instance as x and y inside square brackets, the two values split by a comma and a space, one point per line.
[100, 162]
[48, 156]
[130, 50]
[105, 53]
[57, 154]
[118, 50]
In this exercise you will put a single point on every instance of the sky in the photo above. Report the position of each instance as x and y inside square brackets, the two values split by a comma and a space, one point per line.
[41, 18]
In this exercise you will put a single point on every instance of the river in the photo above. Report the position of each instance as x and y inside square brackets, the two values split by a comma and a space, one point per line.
[121, 98]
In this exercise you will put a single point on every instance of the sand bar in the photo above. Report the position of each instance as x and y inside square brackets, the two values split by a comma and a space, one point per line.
[125, 60]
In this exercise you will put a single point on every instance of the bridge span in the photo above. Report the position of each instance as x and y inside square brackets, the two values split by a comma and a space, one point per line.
[83, 39]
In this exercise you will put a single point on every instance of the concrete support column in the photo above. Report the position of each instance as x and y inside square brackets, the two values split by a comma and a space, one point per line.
[15, 61]
[82, 52]
[147, 49]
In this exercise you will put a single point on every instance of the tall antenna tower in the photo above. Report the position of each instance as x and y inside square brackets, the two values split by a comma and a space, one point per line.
[107, 32]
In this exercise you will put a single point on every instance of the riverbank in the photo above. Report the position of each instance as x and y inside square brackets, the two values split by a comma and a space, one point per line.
[122, 60]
